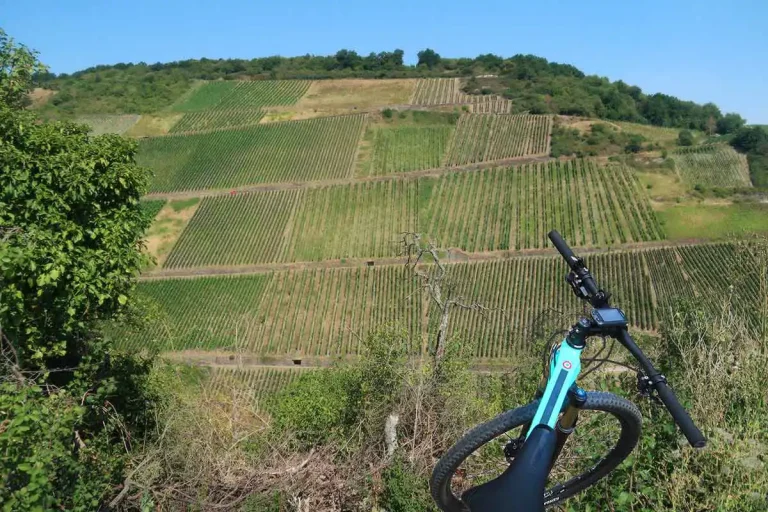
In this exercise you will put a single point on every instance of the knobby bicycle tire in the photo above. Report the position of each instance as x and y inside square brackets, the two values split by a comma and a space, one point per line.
[625, 411]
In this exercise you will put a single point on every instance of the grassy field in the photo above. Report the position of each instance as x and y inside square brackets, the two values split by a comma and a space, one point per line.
[661, 135]
[322, 148]
[152, 206]
[712, 166]
[249, 95]
[495, 209]
[323, 312]
[713, 221]
[101, 124]
[484, 138]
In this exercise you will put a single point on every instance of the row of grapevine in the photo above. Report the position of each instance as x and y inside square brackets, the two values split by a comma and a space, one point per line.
[312, 149]
[409, 148]
[713, 166]
[484, 138]
[200, 313]
[252, 385]
[494, 209]
[230, 95]
[230, 231]
[514, 208]
[151, 207]
[216, 119]
[447, 91]
[325, 312]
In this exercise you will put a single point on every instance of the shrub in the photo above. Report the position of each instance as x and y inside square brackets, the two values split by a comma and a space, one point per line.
[387, 113]
[318, 406]
[685, 138]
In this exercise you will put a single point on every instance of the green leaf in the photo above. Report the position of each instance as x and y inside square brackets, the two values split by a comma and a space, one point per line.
[122, 299]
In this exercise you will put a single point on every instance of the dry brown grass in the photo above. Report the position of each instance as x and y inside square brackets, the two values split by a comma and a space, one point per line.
[166, 228]
[356, 93]
[40, 96]
[153, 125]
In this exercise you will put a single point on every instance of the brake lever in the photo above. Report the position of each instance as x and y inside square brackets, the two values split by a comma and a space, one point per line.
[646, 389]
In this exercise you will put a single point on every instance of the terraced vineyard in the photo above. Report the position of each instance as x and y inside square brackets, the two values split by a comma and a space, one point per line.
[254, 385]
[359, 220]
[251, 227]
[447, 91]
[313, 149]
[323, 312]
[310, 312]
[494, 209]
[234, 95]
[201, 313]
[514, 208]
[713, 166]
[409, 148]
[216, 119]
[484, 138]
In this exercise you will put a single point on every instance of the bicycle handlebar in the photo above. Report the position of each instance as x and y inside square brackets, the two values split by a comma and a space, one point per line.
[593, 294]
[666, 395]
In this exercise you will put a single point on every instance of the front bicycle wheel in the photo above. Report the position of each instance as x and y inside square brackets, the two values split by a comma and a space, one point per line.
[606, 433]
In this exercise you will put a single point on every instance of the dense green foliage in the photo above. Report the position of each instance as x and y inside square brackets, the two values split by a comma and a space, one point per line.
[535, 85]
[18, 65]
[599, 139]
[71, 222]
[70, 231]
[753, 140]
[685, 138]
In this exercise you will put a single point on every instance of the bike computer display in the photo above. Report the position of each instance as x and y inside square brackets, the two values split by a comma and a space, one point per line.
[609, 317]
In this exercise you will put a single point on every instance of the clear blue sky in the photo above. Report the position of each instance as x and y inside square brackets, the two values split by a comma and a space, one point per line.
[703, 51]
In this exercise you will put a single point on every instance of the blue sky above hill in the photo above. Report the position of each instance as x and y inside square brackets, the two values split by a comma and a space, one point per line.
[701, 51]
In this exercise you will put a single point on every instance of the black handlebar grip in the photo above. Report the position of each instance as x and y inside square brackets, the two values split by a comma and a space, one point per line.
[681, 416]
[562, 247]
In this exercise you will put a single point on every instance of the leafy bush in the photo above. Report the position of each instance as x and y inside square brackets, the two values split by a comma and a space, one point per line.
[685, 138]
[317, 407]
[403, 490]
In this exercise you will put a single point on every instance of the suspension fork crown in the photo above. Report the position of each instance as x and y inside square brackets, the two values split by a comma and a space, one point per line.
[577, 397]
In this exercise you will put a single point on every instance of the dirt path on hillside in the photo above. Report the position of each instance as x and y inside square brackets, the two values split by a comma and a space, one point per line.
[456, 256]
[438, 171]
[251, 361]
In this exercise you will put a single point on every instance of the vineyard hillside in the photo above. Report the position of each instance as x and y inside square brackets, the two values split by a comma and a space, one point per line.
[484, 138]
[448, 91]
[712, 166]
[494, 209]
[314, 149]
[324, 312]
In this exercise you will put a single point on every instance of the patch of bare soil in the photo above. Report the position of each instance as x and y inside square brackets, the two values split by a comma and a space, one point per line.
[356, 93]
[165, 230]
[40, 96]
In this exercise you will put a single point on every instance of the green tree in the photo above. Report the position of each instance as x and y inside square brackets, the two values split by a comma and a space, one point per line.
[429, 58]
[685, 138]
[70, 247]
[18, 64]
[730, 123]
